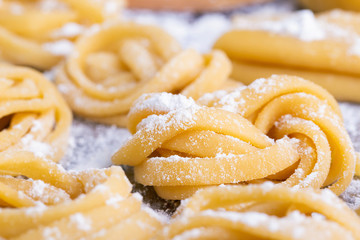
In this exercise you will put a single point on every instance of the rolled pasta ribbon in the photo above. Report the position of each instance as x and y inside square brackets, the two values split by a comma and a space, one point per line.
[33, 114]
[37, 33]
[228, 137]
[323, 48]
[40, 200]
[110, 68]
[264, 211]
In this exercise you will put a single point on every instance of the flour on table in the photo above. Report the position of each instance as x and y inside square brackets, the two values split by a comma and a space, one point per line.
[91, 145]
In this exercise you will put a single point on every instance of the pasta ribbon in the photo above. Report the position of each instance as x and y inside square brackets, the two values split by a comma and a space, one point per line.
[263, 211]
[283, 128]
[37, 33]
[111, 67]
[33, 115]
[40, 200]
[323, 48]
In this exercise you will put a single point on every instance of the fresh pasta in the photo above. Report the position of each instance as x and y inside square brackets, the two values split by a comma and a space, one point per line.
[323, 48]
[40, 200]
[33, 115]
[37, 33]
[283, 129]
[263, 211]
[114, 65]
[253, 162]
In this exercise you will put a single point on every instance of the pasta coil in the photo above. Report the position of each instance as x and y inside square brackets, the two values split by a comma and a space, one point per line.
[263, 211]
[282, 128]
[113, 66]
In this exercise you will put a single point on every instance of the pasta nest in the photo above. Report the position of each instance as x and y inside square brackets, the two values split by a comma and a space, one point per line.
[283, 129]
[33, 115]
[116, 63]
[40, 200]
[38, 33]
[264, 211]
[262, 45]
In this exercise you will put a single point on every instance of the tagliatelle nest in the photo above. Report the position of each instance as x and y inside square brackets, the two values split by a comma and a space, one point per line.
[282, 128]
[117, 63]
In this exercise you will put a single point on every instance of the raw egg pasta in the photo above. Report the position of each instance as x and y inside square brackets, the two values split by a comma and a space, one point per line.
[40, 200]
[38, 32]
[114, 65]
[265, 211]
[282, 128]
[253, 162]
[323, 48]
[33, 115]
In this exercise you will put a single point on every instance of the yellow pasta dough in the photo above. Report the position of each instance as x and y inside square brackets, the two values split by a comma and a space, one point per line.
[33, 115]
[264, 211]
[40, 200]
[282, 128]
[38, 32]
[271, 146]
[321, 5]
[114, 65]
[324, 49]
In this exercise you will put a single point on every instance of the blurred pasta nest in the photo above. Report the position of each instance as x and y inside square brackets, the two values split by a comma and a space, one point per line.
[33, 115]
[38, 33]
[38, 198]
[114, 64]
[262, 211]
